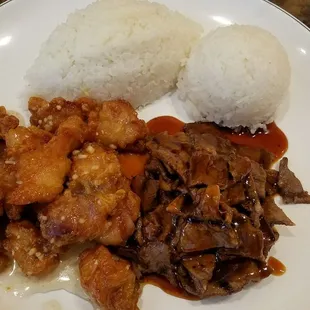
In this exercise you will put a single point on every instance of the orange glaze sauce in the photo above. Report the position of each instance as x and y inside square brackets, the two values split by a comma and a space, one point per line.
[132, 164]
[278, 269]
[168, 288]
[165, 123]
[274, 140]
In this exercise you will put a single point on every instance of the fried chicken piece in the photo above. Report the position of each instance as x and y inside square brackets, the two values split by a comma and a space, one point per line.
[40, 173]
[95, 168]
[109, 280]
[30, 250]
[98, 205]
[107, 218]
[49, 115]
[7, 173]
[4, 259]
[7, 122]
[4, 262]
[13, 212]
[21, 140]
[116, 124]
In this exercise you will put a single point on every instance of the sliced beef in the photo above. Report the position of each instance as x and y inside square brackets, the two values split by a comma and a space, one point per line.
[157, 225]
[200, 267]
[275, 215]
[235, 274]
[157, 169]
[155, 257]
[207, 169]
[250, 240]
[261, 156]
[270, 236]
[207, 203]
[208, 213]
[212, 144]
[200, 237]
[202, 128]
[272, 177]
[253, 205]
[235, 194]
[172, 151]
[259, 176]
[195, 273]
[175, 207]
[150, 190]
[168, 185]
[290, 187]
[137, 184]
[239, 168]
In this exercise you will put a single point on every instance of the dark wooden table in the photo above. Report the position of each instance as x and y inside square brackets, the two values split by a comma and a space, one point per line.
[298, 8]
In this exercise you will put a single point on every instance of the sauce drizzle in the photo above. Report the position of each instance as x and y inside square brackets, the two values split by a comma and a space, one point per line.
[168, 288]
[273, 140]
[165, 123]
[277, 268]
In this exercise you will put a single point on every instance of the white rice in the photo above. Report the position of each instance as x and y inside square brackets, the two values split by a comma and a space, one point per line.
[126, 49]
[236, 75]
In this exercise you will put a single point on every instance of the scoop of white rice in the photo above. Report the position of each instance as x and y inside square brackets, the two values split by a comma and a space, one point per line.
[126, 49]
[236, 75]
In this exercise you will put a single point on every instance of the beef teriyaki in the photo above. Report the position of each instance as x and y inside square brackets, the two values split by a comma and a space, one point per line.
[208, 211]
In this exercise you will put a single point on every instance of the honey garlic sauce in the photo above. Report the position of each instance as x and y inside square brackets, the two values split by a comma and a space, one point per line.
[65, 276]
[277, 268]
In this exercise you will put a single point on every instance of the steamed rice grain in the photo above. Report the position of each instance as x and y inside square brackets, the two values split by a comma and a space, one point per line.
[125, 49]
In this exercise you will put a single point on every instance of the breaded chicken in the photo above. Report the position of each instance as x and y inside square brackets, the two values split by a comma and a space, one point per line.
[7, 122]
[109, 280]
[96, 168]
[21, 140]
[13, 212]
[4, 259]
[7, 173]
[98, 204]
[30, 250]
[40, 173]
[49, 115]
[116, 124]
[4, 262]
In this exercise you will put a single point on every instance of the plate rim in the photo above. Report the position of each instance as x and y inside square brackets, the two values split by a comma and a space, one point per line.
[283, 11]
[266, 1]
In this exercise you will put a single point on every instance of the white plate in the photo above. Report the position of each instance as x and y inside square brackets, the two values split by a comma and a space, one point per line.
[24, 25]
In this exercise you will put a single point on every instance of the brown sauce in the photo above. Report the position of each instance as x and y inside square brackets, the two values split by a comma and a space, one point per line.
[273, 140]
[277, 268]
[132, 164]
[165, 123]
[168, 288]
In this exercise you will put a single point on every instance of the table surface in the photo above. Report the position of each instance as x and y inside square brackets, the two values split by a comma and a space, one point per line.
[298, 8]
